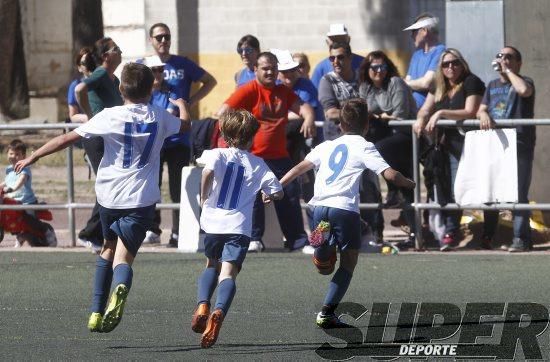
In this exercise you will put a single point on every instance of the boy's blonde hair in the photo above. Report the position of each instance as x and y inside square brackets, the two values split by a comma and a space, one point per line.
[238, 128]
[355, 115]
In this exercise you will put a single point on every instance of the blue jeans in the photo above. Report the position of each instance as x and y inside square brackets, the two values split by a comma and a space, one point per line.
[522, 230]
[289, 212]
[452, 217]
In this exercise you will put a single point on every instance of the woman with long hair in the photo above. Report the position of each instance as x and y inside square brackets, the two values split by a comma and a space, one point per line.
[85, 65]
[456, 95]
[389, 98]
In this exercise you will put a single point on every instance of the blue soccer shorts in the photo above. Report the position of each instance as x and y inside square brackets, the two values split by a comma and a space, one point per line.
[226, 247]
[345, 226]
[130, 225]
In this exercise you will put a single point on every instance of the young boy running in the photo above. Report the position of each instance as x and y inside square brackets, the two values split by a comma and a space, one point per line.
[340, 163]
[126, 185]
[231, 180]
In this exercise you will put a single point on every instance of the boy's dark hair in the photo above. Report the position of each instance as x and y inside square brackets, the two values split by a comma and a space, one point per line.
[136, 82]
[101, 47]
[251, 40]
[162, 25]
[341, 45]
[89, 62]
[355, 115]
[18, 146]
[238, 128]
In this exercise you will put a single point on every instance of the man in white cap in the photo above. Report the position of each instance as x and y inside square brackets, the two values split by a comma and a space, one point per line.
[421, 73]
[337, 33]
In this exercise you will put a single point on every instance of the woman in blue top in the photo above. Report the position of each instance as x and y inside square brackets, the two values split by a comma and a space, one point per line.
[248, 48]
[85, 64]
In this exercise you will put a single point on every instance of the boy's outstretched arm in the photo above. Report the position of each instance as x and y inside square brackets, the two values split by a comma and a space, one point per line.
[296, 171]
[397, 178]
[53, 145]
[184, 113]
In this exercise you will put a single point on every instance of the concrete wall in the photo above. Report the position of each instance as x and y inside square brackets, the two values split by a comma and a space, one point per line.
[528, 29]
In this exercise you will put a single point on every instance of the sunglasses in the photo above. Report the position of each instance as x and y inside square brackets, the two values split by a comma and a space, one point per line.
[157, 69]
[114, 49]
[340, 57]
[246, 51]
[454, 63]
[160, 37]
[505, 56]
[379, 67]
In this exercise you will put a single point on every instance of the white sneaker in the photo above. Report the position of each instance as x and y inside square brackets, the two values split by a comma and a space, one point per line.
[308, 249]
[256, 246]
[17, 244]
[151, 238]
[50, 237]
[84, 243]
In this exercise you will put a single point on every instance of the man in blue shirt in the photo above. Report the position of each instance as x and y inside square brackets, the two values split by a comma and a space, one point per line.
[180, 73]
[338, 33]
[424, 61]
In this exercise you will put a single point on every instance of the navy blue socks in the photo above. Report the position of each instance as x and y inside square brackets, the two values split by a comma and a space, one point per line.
[123, 274]
[206, 285]
[102, 284]
[226, 292]
[338, 286]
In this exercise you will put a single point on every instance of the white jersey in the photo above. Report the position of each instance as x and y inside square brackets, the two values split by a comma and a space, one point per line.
[133, 136]
[340, 163]
[238, 176]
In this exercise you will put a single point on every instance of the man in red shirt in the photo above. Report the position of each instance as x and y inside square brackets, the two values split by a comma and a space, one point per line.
[270, 103]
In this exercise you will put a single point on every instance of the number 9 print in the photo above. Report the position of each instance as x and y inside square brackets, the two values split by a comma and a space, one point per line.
[336, 162]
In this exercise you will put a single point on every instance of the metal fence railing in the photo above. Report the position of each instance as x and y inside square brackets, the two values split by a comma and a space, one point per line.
[71, 205]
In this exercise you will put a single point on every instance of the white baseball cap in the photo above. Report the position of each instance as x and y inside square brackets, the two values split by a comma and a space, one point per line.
[153, 61]
[337, 29]
[284, 60]
[423, 23]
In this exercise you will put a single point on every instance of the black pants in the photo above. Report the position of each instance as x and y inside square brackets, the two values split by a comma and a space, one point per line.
[176, 157]
[92, 231]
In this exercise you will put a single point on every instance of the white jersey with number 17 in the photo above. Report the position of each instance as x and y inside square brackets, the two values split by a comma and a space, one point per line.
[238, 176]
[340, 163]
[133, 136]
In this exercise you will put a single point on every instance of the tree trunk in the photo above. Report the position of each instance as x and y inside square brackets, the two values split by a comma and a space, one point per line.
[87, 23]
[14, 90]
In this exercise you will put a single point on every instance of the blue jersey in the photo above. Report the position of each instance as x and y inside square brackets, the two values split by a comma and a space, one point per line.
[325, 66]
[307, 92]
[71, 95]
[244, 76]
[421, 63]
[24, 194]
[160, 98]
[180, 73]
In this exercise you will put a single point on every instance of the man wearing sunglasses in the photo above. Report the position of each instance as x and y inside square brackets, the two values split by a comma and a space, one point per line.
[338, 33]
[337, 86]
[512, 96]
[100, 90]
[421, 73]
[179, 74]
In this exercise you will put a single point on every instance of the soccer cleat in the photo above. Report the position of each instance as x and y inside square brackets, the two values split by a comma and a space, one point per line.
[95, 322]
[212, 331]
[200, 317]
[447, 242]
[113, 313]
[330, 321]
